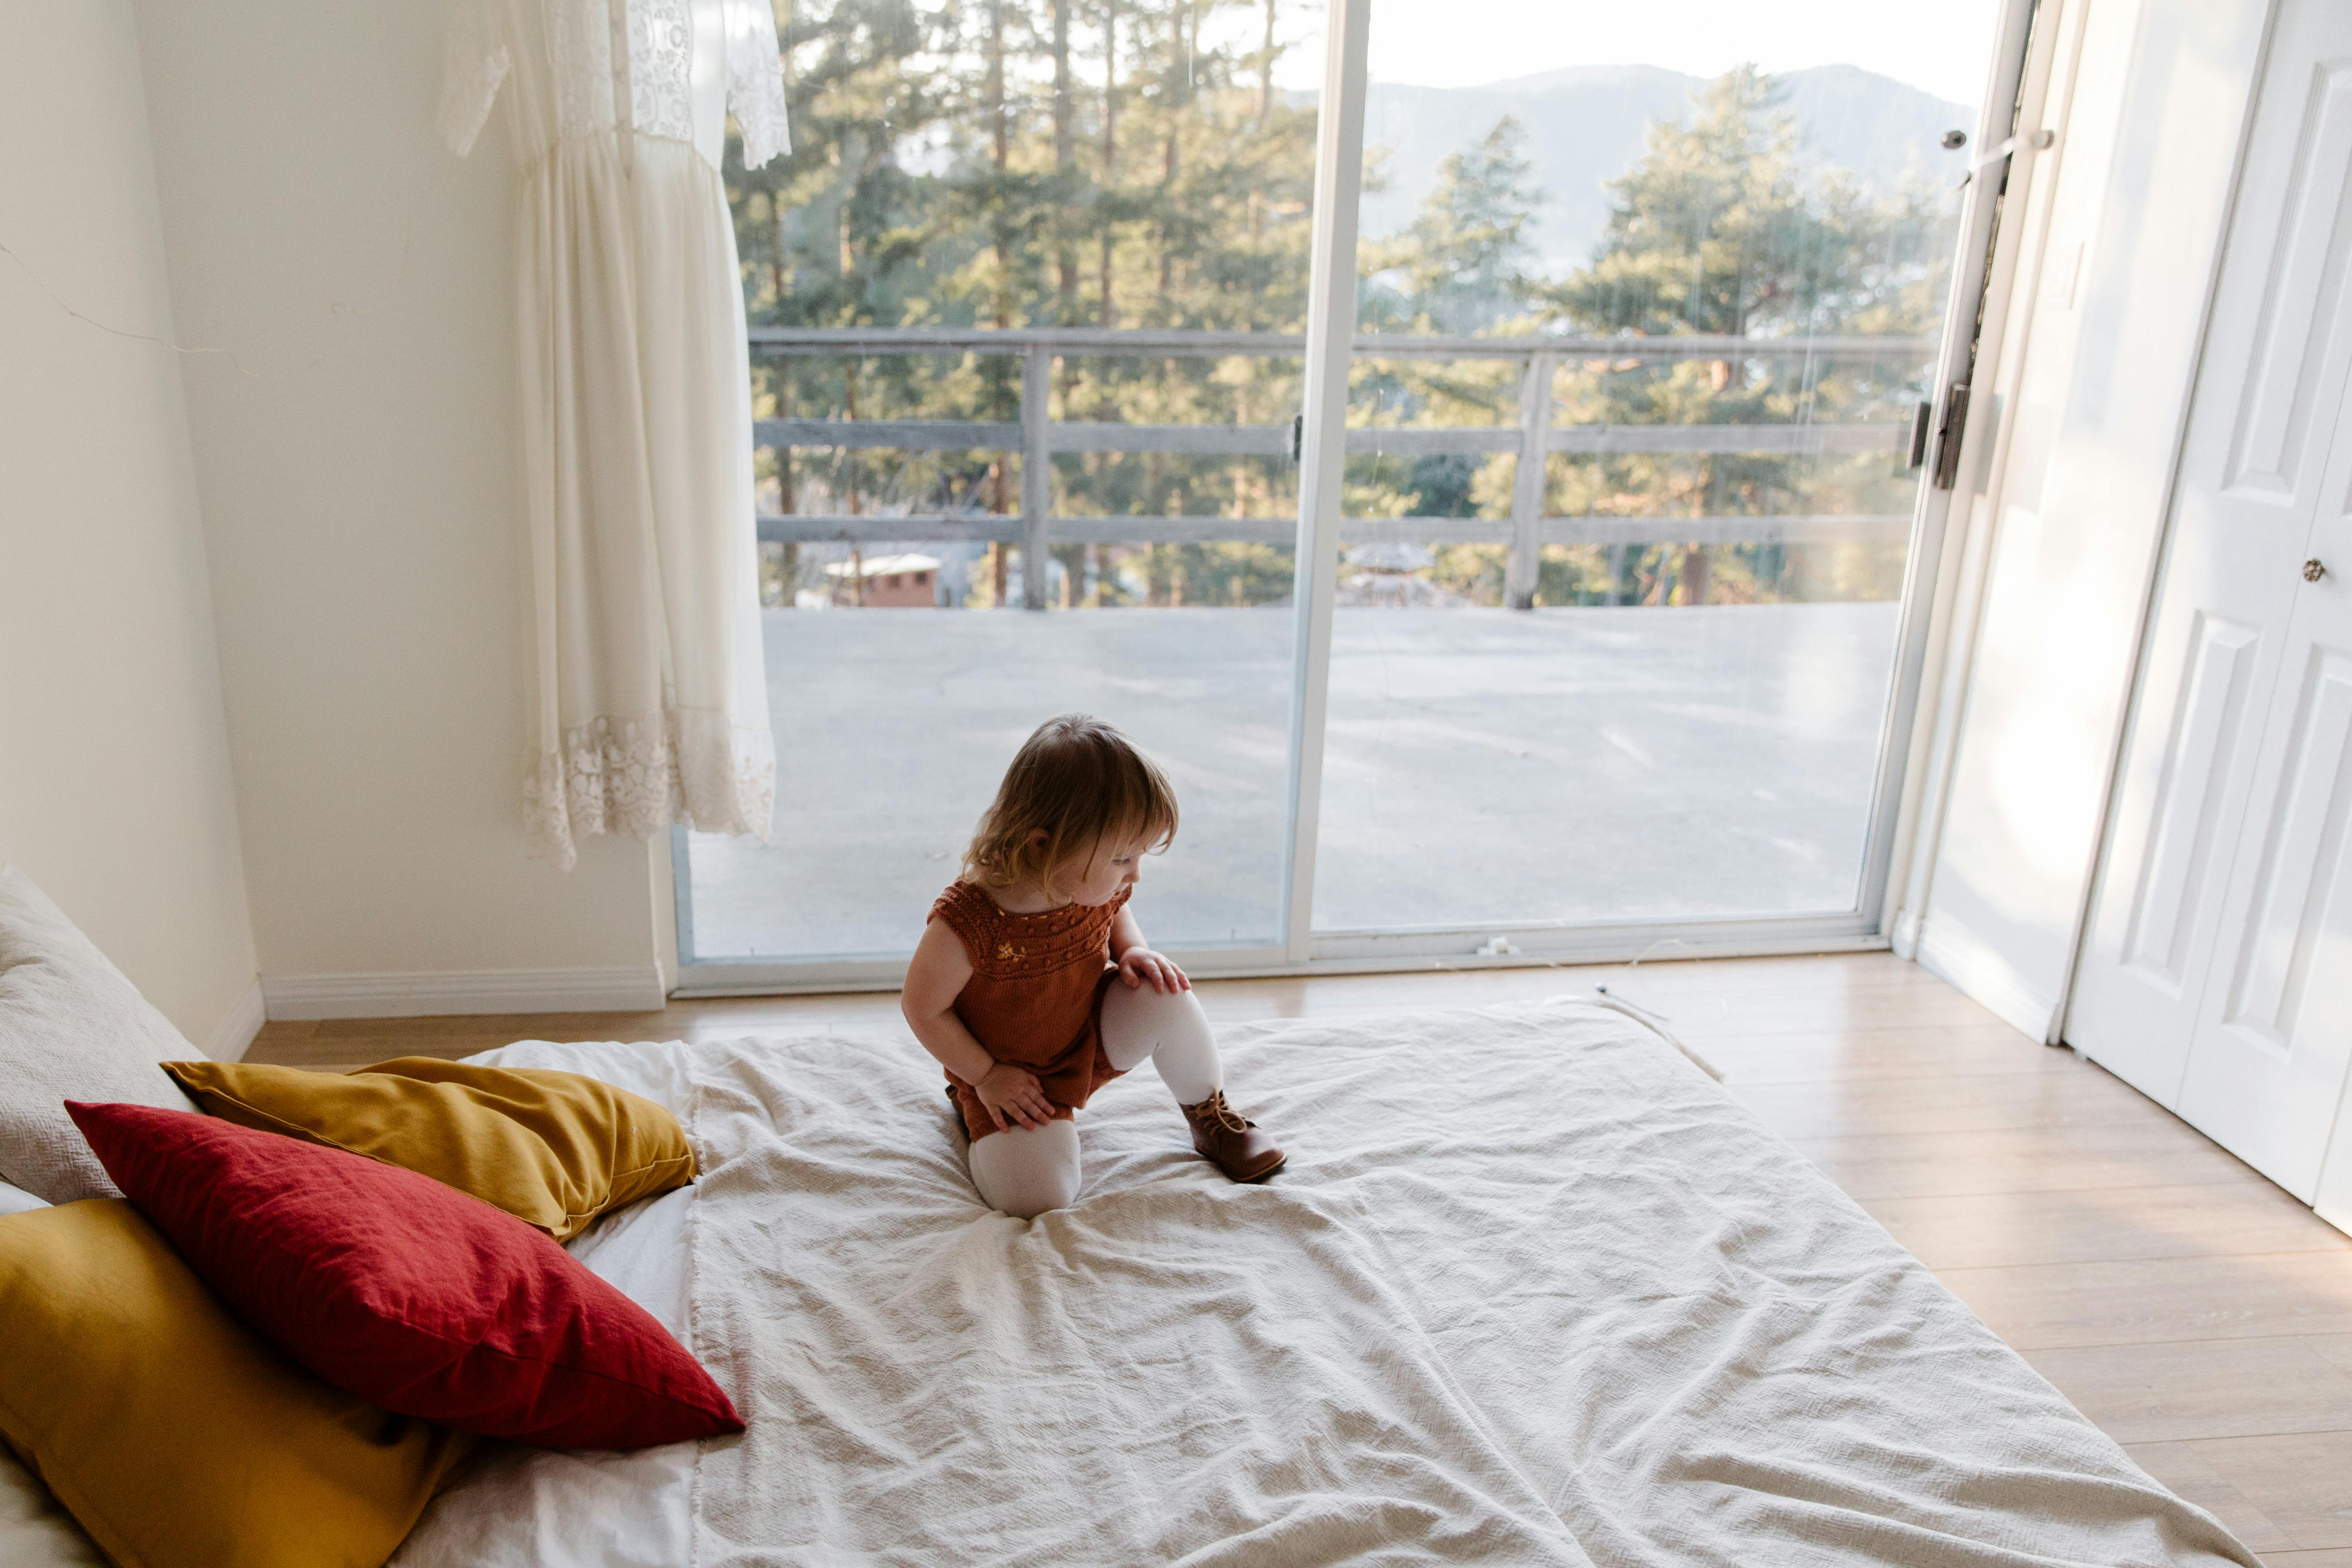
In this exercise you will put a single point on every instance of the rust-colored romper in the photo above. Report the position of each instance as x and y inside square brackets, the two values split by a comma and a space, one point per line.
[1035, 993]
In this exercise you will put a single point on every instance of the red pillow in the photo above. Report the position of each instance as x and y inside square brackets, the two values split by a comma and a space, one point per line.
[413, 1295]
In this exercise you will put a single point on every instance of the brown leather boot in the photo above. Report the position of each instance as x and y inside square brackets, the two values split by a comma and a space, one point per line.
[1233, 1145]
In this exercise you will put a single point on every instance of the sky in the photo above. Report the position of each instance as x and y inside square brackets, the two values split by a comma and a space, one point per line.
[1940, 46]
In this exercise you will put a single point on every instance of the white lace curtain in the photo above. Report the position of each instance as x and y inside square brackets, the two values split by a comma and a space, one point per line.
[649, 698]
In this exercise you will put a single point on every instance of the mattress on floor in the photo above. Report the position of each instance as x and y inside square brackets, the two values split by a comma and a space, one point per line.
[1531, 1290]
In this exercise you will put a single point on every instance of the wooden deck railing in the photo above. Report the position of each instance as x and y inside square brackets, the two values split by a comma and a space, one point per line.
[1037, 436]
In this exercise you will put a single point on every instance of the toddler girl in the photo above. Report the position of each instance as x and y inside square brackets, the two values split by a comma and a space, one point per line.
[1032, 983]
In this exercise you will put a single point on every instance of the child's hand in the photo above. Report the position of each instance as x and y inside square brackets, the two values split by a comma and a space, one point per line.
[1137, 965]
[1012, 1095]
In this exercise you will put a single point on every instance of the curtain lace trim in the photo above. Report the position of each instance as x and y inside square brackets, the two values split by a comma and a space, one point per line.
[637, 776]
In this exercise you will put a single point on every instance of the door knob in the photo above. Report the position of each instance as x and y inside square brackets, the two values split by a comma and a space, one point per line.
[2313, 571]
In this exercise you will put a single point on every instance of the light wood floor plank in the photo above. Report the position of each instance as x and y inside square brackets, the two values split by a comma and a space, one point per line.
[2095, 1156]
[2107, 1224]
[1958, 1050]
[2195, 1391]
[1936, 1102]
[1720, 1017]
[2056, 1306]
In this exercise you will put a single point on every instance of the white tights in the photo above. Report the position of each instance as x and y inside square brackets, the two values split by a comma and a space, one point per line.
[1024, 1171]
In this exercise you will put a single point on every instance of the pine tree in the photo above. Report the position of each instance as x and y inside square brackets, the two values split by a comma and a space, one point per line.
[1466, 265]
[1720, 230]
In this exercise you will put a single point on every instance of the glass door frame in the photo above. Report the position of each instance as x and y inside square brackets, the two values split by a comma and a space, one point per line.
[2012, 79]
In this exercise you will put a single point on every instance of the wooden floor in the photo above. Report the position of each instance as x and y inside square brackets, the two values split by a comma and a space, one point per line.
[2188, 1306]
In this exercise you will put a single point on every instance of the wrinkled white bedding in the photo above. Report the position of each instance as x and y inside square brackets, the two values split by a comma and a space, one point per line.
[1531, 1290]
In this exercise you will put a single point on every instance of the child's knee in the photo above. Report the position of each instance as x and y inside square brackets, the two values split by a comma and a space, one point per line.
[1057, 1191]
[1026, 1171]
[1152, 1010]
[1033, 1193]
[1178, 1016]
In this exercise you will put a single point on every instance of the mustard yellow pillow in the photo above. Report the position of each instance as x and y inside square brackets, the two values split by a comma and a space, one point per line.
[554, 1149]
[173, 1434]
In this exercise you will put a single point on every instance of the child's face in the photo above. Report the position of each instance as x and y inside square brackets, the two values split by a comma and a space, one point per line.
[1113, 866]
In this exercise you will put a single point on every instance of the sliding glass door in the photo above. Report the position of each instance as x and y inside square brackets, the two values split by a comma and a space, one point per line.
[1602, 637]
[1026, 301]
[1630, 485]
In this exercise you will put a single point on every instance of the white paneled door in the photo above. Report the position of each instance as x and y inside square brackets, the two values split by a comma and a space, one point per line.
[2217, 976]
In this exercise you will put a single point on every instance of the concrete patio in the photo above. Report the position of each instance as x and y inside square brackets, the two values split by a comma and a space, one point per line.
[1481, 766]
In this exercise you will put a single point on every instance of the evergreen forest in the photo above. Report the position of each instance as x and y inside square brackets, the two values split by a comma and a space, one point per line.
[1136, 163]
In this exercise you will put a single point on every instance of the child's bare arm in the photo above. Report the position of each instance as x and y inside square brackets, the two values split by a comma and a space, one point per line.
[934, 976]
[1138, 962]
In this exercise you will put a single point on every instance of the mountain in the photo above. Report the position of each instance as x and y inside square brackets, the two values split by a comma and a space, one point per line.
[1588, 125]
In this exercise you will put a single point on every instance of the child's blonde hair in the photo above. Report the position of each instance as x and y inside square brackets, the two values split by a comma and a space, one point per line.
[1081, 784]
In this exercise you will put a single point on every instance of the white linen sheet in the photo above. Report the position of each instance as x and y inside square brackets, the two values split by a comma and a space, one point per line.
[1531, 1290]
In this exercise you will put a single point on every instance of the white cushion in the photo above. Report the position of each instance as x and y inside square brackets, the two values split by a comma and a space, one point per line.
[71, 1027]
[16, 1200]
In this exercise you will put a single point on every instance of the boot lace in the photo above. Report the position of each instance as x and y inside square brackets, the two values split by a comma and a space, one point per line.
[1215, 1113]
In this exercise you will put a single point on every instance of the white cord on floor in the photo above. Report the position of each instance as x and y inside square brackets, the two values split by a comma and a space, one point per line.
[1656, 1026]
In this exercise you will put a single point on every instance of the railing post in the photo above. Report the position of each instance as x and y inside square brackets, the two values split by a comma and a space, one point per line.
[1036, 476]
[1527, 493]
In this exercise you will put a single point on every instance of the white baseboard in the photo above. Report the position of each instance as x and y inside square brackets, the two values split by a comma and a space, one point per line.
[1955, 954]
[233, 1036]
[430, 993]
[1905, 938]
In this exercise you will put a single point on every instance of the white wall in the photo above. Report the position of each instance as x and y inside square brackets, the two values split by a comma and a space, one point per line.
[357, 465]
[2081, 493]
[115, 791]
